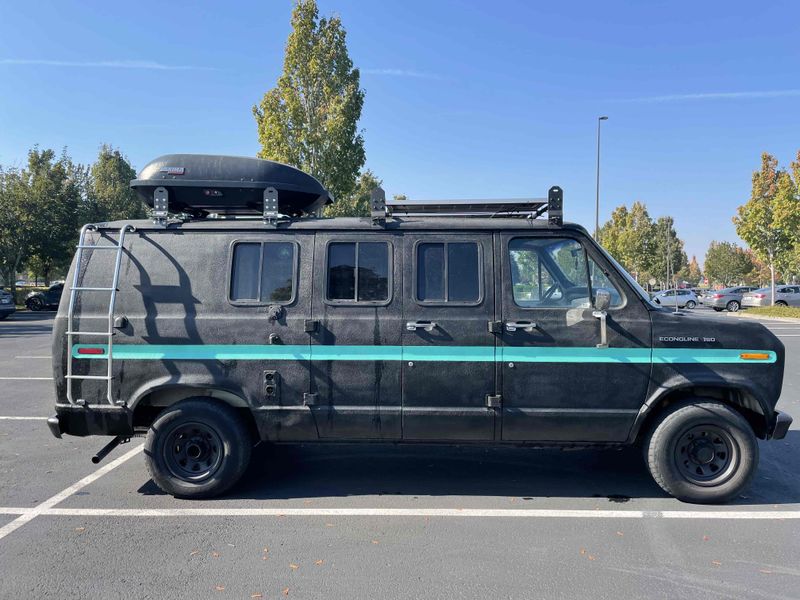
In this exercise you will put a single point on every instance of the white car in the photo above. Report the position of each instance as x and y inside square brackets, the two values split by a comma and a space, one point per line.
[785, 295]
[681, 298]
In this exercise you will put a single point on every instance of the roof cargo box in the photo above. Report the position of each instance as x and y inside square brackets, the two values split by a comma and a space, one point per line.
[200, 184]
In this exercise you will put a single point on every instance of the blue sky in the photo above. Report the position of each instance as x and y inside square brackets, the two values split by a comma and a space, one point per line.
[463, 99]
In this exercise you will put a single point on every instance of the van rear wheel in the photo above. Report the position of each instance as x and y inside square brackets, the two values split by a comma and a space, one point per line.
[197, 448]
[702, 451]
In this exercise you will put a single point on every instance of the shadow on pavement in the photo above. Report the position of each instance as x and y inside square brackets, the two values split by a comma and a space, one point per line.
[22, 324]
[341, 470]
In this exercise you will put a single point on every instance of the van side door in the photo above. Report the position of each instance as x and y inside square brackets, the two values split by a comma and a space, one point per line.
[448, 351]
[355, 345]
[557, 384]
[269, 297]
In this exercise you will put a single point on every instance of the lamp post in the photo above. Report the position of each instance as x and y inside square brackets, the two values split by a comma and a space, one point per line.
[597, 188]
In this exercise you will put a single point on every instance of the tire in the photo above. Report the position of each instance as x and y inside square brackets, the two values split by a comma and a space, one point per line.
[733, 306]
[213, 459]
[691, 304]
[780, 303]
[35, 304]
[3, 317]
[693, 466]
[718, 309]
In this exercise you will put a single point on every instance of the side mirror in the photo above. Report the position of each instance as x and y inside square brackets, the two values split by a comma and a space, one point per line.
[602, 299]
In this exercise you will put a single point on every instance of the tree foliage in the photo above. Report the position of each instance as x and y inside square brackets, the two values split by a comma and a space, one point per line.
[668, 257]
[692, 272]
[727, 264]
[770, 220]
[357, 203]
[109, 196]
[310, 118]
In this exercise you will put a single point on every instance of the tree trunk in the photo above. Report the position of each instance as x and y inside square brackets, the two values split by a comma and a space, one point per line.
[772, 282]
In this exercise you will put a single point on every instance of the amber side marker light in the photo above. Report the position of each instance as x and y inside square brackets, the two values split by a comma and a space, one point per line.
[754, 356]
[91, 351]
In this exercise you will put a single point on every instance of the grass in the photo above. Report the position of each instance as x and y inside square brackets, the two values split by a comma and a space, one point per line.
[776, 311]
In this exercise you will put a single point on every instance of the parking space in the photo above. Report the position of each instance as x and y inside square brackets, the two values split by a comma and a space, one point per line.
[348, 521]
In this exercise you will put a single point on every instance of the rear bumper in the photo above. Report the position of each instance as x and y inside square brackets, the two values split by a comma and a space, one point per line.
[7, 309]
[91, 420]
[780, 426]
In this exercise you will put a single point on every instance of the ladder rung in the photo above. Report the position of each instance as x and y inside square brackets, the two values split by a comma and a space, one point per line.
[102, 333]
[91, 247]
[94, 289]
[101, 377]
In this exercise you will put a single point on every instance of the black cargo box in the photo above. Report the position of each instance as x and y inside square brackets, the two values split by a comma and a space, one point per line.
[200, 184]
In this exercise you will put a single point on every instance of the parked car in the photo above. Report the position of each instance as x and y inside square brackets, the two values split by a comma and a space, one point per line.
[729, 299]
[7, 307]
[785, 295]
[683, 298]
[49, 298]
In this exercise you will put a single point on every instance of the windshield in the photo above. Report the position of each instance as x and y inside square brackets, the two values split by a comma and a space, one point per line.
[633, 283]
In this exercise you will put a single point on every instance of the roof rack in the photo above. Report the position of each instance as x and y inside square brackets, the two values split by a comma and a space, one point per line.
[524, 208]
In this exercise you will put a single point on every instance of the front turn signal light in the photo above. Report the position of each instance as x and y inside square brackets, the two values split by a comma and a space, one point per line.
[754, 356]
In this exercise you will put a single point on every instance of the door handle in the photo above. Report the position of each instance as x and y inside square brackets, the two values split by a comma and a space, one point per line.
[426, 325]
[524, 325]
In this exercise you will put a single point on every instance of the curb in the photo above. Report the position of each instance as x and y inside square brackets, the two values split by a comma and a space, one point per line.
[742, 315]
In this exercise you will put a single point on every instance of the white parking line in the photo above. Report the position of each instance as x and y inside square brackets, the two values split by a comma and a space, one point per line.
[23, 418]
[26, 379]
[422, 512]
[33, 356]
[787, 335]
[64, 494]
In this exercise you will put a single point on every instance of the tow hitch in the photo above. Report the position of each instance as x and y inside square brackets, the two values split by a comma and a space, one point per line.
[105, 450]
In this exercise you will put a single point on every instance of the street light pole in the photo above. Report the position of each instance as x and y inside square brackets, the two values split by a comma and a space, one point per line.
[597, 188]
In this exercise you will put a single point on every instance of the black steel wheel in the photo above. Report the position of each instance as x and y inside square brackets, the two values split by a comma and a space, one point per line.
[701, 451]
[35, 304]
[197, 448]
[732, 306]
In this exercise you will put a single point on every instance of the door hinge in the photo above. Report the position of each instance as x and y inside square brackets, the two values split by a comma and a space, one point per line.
[310, 325]
[494, 401]
[495, 327]
[309, 399]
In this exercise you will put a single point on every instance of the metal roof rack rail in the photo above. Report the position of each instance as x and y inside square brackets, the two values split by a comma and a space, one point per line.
[524, 208]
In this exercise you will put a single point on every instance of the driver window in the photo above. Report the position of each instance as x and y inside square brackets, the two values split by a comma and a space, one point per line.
[548, 273]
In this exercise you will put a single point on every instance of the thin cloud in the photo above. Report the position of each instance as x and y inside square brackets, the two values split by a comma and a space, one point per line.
[400, 73]
[101, 64]
[716, 96]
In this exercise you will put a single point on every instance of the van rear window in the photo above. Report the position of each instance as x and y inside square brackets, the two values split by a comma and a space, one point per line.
[358, 271]
[263, 272]
[448, 272]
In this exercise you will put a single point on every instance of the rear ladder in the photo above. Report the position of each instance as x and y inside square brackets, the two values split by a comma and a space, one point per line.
[109, 333]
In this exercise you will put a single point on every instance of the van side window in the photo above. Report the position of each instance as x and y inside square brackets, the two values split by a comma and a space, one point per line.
[358, 271]
[263, 272]
[548, 272]
[448, 272]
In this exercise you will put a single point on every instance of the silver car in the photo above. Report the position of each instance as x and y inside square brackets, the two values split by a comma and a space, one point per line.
[727, 299]
[785, 295]
[683, 298]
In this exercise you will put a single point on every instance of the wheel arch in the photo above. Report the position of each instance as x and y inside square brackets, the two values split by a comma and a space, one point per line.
[151, 401]
[744, 400]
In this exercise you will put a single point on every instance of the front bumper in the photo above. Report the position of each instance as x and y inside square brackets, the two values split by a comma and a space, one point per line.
[91, 420]
[780, 426]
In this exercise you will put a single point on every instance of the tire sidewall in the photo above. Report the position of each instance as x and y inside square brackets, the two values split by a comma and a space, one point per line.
[733, 306]
[35, 304]
[236, 445]
[667, 433]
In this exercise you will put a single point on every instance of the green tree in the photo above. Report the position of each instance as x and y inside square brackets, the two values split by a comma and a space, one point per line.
[109, 196]
[629, 237]
[727, 263]
[356, 204]
[53, 197]
[668, 257]
[770, 220]
[16, 225]
[692, 272]
[310, 118]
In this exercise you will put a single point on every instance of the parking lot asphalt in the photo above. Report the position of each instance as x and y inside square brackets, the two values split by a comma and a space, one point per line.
[349, 521]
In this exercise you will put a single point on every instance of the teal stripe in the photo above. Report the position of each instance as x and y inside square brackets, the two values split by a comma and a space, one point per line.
[532, 354]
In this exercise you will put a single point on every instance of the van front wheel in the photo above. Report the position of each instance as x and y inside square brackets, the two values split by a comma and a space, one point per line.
[702, 451]
[197, 448]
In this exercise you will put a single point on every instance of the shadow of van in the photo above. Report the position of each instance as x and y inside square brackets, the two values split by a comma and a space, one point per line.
[344, 470]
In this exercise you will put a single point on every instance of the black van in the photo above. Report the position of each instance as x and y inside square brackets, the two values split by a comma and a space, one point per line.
[236, 316]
